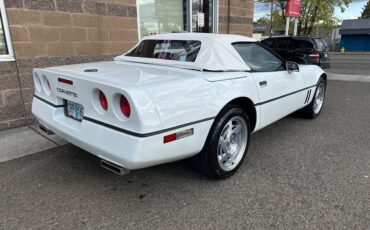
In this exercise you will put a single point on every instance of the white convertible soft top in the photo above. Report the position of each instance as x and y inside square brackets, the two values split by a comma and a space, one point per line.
[216, 52]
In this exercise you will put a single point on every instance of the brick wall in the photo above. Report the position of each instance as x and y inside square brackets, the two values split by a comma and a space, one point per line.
[59, 32]
[240, 18]
[11, 107]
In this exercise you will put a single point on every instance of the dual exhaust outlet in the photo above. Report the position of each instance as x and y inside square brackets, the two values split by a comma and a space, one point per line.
[45, 130]
[119, 170]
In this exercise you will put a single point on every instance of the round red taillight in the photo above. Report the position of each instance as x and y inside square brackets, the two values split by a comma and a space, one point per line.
[103, 101]
[125, 106]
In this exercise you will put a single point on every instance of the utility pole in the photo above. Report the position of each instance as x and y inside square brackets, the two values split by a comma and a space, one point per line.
[295, 27]
[272, 11]
[287, 26]
[317, 32]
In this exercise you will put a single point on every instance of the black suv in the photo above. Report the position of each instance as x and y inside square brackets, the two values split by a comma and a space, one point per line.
[302, 50]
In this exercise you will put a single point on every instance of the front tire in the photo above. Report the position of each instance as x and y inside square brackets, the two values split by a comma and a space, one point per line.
[227, 143]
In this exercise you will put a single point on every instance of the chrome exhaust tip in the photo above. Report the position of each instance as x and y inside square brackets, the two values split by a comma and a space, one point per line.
[114, 168]
[45, 130]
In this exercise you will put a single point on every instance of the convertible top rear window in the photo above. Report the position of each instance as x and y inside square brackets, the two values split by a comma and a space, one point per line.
[175, 50]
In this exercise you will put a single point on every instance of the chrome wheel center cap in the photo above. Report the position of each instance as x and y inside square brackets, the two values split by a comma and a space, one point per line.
[232, 145]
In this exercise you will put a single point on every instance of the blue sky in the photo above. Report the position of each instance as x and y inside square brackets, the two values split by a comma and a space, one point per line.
[352, 12]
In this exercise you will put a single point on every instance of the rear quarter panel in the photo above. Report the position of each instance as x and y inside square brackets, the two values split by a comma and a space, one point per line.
[196, 98]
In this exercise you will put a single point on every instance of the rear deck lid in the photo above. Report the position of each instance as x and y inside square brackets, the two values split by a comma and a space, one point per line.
[121, 74]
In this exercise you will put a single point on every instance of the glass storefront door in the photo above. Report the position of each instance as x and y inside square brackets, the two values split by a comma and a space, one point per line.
[202, 16]
[174, 16]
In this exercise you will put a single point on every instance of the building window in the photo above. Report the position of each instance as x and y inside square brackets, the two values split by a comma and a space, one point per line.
[174, 16]
[6, 51]
[161, 16]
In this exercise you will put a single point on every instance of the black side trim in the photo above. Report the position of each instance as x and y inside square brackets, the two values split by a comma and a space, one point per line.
[277, 98]
[49, 103]
[145, 134]
[127, 131]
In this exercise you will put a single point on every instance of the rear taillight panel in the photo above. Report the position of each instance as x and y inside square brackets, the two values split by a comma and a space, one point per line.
[111, 105]
[46, 85]
[42, 84]
[100, 101]
[121, 107]
[103, 100]
[315, 57]
[37, 82]
[125, 106]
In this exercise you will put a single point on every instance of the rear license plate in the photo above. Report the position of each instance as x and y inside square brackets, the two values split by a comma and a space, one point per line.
[326, 55]
[74, 111]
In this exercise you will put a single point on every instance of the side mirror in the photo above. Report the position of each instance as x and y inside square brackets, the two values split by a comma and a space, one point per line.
[292, 67]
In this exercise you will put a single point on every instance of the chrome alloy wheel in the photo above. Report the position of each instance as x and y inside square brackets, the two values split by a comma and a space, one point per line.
[232, 143]
[319, 98]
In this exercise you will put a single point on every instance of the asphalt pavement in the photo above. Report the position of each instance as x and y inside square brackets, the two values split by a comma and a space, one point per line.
[350, 64]
[300, 174]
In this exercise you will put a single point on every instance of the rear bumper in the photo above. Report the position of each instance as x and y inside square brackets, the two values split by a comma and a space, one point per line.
[128, 151]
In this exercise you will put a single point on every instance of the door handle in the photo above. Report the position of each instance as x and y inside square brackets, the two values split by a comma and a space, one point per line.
[263, 83]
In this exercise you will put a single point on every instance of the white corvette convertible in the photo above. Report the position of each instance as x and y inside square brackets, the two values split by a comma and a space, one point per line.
[173, 97]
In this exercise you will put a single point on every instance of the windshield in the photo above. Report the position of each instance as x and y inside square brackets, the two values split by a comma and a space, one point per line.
[175, 50]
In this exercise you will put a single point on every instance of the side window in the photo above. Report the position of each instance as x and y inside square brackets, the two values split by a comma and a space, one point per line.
[324, 42]
[268, 42]
[258, 58]
[282, 43]
[291, 44]
[321, 44]
[301, 44]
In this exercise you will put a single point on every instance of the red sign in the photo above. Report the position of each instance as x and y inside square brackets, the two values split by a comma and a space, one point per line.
[293, 8]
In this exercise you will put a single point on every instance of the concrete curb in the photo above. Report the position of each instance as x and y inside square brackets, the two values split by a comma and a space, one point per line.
[23, 141]
[346, 77]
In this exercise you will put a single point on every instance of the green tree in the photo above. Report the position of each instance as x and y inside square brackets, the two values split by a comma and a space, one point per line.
[312, 12]
[277, 20]
[366, 11]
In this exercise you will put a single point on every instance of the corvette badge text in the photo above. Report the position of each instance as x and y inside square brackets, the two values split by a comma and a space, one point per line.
[69, 93]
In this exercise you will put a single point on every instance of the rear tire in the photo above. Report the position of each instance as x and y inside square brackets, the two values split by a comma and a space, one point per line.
[313, 109]
[226, 145]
